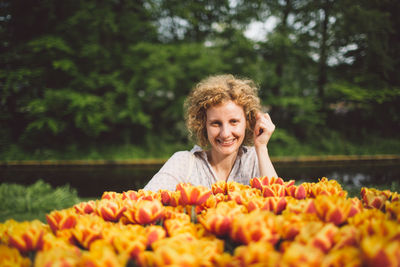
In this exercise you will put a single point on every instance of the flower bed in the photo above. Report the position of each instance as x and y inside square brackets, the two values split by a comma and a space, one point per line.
[267, 223]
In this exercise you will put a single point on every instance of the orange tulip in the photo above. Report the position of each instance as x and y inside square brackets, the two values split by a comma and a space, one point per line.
[59, 220]
[347, 236]
[110, 210]
[318, 235]
[154, 233]
[111, 195]
[235, 186]
[130, 194]
[298, 192]
[301, 206]
[211, 202]
[175, 213]
[393, 209]
[183, 250]
[298, 254]
[379, 252]
[335, 209]
[218, 220]
[243, 196]
[274, 204]
[347, 256]
[324, 187]
[289, 224]
[130, 240]
[58, 256]
[170, 198]
[219, 187]
[26, 236]
[88, 229]
[262, 253]
[192, 195]
[176, 227]
[60, 240]
[253, 227]
[373, 198]
[144, 212]
[85, 207]
[102, 254]
[10, 257]
[146, 195]
[261, 182]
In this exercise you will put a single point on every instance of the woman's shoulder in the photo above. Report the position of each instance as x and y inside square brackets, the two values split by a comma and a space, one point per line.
[181, 156]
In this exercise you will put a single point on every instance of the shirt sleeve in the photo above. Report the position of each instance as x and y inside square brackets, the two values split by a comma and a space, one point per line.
[173, 172]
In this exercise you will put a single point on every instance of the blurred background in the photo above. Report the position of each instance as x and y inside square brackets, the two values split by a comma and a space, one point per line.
[107, 79]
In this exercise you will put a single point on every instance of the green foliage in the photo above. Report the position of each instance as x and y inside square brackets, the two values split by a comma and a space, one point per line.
[116, 73]
[34, 201]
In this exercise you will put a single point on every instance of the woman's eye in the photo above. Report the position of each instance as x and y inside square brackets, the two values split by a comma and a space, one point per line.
[234, 121]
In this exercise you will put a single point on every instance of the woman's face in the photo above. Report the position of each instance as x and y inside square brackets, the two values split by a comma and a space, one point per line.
[226, 127]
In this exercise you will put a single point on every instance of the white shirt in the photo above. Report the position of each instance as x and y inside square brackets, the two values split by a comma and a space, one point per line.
[193, 167]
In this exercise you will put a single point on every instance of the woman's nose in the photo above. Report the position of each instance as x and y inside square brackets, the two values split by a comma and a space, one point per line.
[225, 131]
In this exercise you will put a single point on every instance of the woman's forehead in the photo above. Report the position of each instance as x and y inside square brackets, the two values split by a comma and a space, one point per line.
[225, 109]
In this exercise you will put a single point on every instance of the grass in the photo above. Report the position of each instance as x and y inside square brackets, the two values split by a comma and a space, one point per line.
[22, 203]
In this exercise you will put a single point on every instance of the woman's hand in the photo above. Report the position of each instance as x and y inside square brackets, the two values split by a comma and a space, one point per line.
[263, 129]
[262, 133]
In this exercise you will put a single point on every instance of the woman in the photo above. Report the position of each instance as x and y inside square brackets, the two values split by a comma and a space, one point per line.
[223, 117]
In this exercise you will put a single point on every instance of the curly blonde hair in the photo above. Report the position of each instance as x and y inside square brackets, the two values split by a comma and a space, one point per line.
[215, 90]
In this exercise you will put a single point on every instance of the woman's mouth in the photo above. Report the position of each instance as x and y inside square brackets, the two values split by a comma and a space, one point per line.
[227, 142]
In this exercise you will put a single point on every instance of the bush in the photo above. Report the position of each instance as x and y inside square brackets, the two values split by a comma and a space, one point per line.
[21, 202]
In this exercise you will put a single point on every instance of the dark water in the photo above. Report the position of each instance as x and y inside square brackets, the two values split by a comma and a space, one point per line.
[92, 181]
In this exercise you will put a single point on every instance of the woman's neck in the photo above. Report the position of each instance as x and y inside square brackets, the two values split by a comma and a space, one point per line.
[221, 164]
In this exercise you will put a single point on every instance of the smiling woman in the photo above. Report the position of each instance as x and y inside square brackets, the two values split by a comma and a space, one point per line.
[223, 117]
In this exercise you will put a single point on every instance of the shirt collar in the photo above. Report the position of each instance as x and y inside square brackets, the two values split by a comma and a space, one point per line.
[198, 149]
